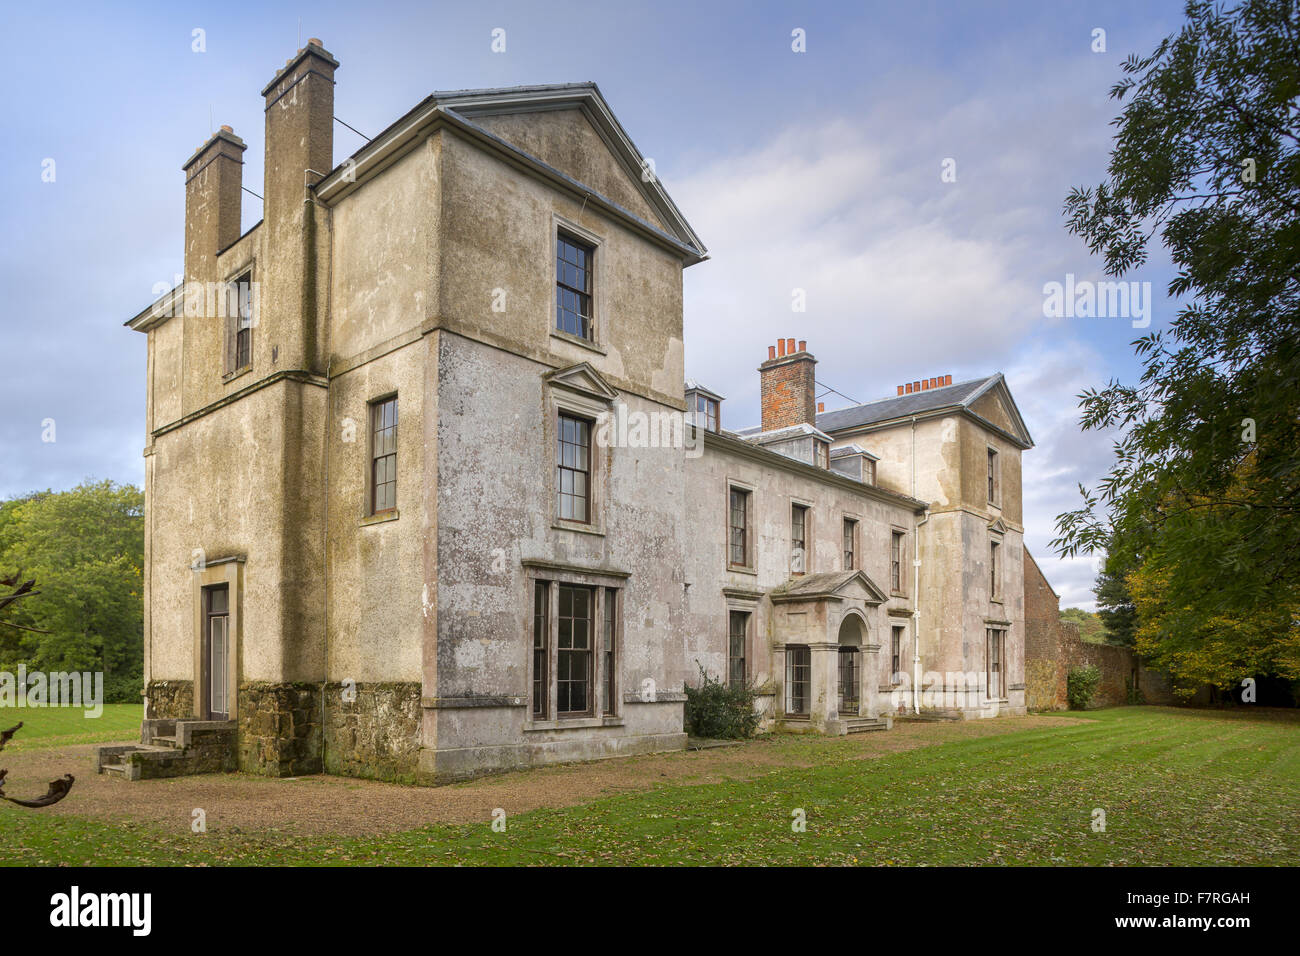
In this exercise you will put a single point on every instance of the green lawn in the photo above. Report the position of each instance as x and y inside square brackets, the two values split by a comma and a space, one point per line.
[57, 726]
[1177, 787]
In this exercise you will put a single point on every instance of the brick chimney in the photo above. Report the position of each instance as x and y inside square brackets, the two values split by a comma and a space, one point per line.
[788, 386]
[213, 180]
[299, 153]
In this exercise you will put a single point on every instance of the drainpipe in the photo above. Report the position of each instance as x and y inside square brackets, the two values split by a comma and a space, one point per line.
[916, 588]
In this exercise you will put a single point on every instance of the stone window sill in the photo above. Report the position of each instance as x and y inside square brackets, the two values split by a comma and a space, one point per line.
[560, 524]
[231, 376]
[742, 569]
[577, 340]
[573, 723]
[380, 518]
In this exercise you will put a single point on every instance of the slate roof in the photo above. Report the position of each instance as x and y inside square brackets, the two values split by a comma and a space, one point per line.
[901, 406]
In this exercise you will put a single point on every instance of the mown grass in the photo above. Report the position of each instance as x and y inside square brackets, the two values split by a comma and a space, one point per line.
[1177, 787]
[60, 726]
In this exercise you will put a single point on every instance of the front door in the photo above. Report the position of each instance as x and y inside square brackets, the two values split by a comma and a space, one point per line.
[849, 681]
[216, 651]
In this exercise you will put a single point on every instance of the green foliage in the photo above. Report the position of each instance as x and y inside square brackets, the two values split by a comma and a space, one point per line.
[85, 549]
[1203, 498]
[719, 711]
[1115, 607]
[1090, 626]
[1081, 685]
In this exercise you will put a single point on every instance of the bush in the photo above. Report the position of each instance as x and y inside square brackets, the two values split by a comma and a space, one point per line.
[718, 711]
[1081, 685]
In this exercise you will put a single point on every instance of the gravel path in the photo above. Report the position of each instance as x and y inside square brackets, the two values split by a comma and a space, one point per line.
[344, 805]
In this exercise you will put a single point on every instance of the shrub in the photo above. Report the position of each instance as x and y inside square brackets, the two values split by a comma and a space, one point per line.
[1081, 685]
[719, 711]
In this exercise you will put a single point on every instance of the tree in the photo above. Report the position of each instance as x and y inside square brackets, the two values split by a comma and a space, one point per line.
[1114, 602]
[85, 547]
[1206, 480]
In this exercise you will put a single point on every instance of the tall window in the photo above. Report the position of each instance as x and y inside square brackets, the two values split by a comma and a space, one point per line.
[244, 321]
[996, 639]
[896, 562]
[896, 654]
[993, 476]
[573, 261]
[798, 539]
[738, 525]
[995, 570]
[850, 538]
[610, 633]
[573, 651]
[541, 646]
[383, 455]
[573, 469]
[798, 676]
[737, 633]
[821, 452]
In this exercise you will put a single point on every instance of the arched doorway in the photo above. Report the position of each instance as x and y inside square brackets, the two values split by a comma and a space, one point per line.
[849, 686]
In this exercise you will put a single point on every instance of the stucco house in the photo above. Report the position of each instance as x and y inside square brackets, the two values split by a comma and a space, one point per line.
[427, 495]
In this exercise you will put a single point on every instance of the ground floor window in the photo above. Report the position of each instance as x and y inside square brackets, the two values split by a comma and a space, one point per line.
[737, 634]
[896, 656]
[996, 657]
[798, 679]
[575, 647]
[541, 646]
[573, 651]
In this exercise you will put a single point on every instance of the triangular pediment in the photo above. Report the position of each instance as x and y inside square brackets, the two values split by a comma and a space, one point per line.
[999, 526]
[994, 404]
[571, 128]
[832, 585]
[584, 380]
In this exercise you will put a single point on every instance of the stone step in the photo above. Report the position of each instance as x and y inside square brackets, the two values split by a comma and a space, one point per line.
[183, 747]
[867, 724]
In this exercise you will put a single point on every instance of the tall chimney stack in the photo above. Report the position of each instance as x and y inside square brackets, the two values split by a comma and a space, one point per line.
[299, 153]
[788, 386]
[213, 179]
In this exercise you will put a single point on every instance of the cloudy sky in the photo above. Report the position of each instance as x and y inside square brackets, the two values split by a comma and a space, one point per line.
[818, 170]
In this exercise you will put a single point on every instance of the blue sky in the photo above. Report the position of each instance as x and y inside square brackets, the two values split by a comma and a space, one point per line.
[817, 171]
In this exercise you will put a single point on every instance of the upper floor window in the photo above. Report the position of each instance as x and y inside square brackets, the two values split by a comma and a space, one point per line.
[995, 570]
[738, 527]
[850, 542]
[573, 469]
[240, 319]
[798, 539]
[821, 454]
[993, 476]
[573, 292]
[383, 455]
[896, 562]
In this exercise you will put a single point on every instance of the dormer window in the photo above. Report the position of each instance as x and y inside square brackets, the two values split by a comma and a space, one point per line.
[821, 453]
[706, 413]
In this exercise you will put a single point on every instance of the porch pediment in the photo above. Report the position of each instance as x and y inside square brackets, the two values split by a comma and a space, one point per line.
[832, 586]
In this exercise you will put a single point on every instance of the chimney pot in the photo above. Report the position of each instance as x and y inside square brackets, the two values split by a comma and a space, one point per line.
[315, 41]
[226, 128]
[771, 352]
[908, 387]
[803, 346]
[821, 407]
[789, 346]
[780, 347]
[947, 380]
[916, 386]
[900, 390]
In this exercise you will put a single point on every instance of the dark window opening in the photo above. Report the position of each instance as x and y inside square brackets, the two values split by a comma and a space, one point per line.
[573, 469]
[573, 261]
[798, 539]
[573, 658]
[737, 637]
[541, 646]
[738, 523]
[383, 455]
[798, 679]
